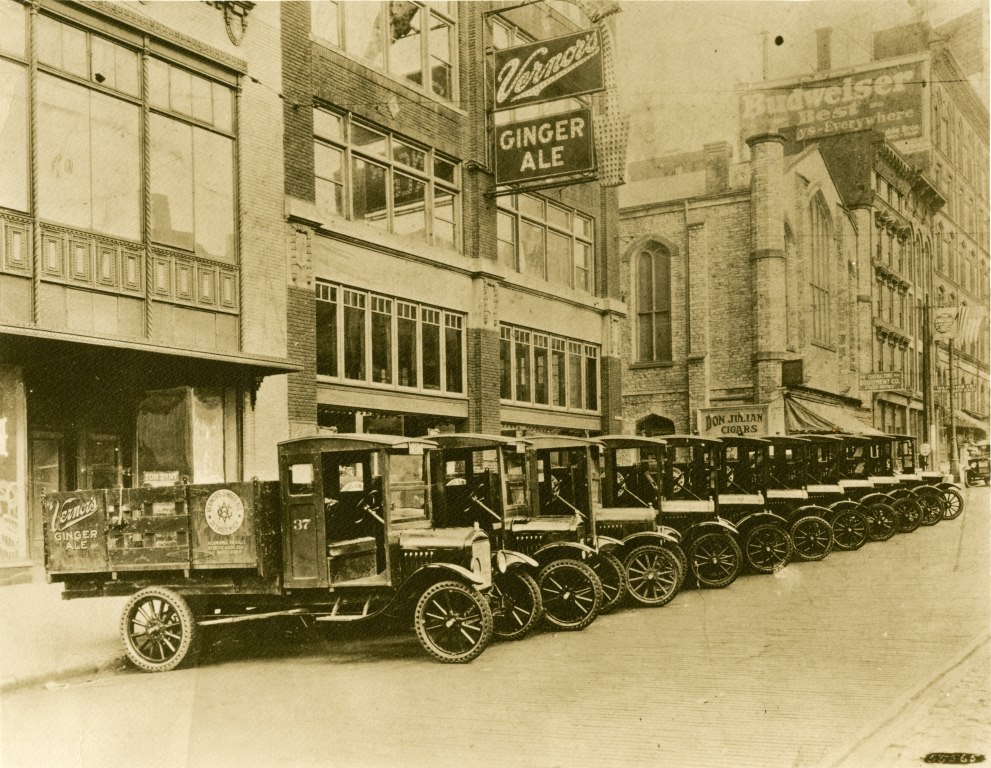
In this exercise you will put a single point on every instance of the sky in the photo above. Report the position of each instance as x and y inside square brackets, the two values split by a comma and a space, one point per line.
[683, 60]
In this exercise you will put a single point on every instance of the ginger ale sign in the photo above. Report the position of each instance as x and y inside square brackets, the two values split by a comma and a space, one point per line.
[557, 145]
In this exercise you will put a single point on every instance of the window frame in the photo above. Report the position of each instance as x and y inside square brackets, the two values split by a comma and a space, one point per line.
[820, 237]
[656, 251]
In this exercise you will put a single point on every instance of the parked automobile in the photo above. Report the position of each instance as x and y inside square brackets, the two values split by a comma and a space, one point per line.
[345, 534]
[809, 524]
[978, 464]
[924, 485]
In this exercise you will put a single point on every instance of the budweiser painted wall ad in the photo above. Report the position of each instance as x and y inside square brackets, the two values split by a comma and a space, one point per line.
[548, 70]
[889, 99]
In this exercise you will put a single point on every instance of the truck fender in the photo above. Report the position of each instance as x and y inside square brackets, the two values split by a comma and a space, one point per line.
[875, 498]
[654, 538]
[845, 505]
[459, 572]
[574, 550]
[669, 533]
[719, 525]
[812, 510]
[509, 559]
[760, 517]
[949, 486]
[607, 543]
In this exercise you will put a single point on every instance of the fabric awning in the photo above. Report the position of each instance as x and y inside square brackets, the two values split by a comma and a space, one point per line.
[966, 421]
[808, 416]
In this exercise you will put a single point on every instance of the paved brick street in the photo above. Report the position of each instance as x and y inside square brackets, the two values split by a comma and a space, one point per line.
[868, 658]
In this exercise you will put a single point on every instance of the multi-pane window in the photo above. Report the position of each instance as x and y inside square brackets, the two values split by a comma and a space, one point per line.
[93, 117]
[819, 273]
[546, 241]
[653, 276]
[374, 176]
[545, 370]
[367, 337]
[413, 41]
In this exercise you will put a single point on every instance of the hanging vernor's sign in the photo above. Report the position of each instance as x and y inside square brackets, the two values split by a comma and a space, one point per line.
[739, 420]
[557, 145]
[548, 70]
[888, 100]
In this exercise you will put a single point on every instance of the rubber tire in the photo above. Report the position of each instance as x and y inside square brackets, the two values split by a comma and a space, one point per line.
[823, 532]
[511, 586]
[857, 527]
[551, 598]
[909, 514]
[952, 503]
[679, 552]
[650, 556]
[933, 505]
[873, 514]
[611, 573]
[759, 538]
[189, 633]
[729, 548]
[479, 600]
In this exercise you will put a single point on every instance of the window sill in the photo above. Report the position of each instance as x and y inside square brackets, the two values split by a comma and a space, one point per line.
[645, 366]
[823, 345]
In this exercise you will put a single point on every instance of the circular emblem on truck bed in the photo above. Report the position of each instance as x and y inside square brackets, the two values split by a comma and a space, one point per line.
[224, 512]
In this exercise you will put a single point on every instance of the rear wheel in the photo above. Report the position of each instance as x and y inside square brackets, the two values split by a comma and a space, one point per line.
[572, 594]
[653, 575]
[609, 569]
[850, 530]
[453, 622]
[767, 548]
[812, 537]
[158, 629]
[715, 560]
[952, 503]
[881, 521]
[516, 604]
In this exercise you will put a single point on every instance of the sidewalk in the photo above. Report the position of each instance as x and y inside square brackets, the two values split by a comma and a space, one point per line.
[46, 638]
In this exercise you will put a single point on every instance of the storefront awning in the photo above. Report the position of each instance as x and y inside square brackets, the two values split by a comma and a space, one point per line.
[966, 421]
[807, 416]
[25, 346]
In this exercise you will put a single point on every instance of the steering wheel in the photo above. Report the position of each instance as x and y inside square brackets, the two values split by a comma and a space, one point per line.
[679, 480]
[475, 496]
[368, 504]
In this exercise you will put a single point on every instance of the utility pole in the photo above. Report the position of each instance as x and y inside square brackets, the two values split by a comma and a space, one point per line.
[927, 382]
[954, 450]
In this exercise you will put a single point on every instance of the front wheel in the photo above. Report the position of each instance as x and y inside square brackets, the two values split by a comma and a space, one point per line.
[812, 537]
[932, 503]
[767, 548]
[850, 530]
[158, 629]
[952, 503]
[453, 622]
[609, 569]
[715, 560]
[653, 575]
[881, 521]
[516, 604]
[572, 594]
[909, 514]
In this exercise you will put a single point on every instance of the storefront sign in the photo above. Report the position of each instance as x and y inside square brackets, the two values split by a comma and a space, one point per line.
[558, 145]
[889, 100]
[881, 381]
[737, 420]
[547, 70]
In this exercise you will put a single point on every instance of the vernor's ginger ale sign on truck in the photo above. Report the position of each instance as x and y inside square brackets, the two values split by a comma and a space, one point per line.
[733, 421]
[887, 99]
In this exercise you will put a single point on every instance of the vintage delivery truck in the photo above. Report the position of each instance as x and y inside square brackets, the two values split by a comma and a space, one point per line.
[345, 534]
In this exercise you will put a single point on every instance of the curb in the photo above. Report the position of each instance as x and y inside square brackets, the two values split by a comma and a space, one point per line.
[15, 683]
[882, 729]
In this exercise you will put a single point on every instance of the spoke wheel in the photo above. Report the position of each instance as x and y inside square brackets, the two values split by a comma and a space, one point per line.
[571, 592]
[453, 622]
[931, 501]
[158, 629]
[881, 521]
[909, 514]
[516, 604]
[952, 503]
[812, 537]
[850, 530]
[609, 569]
[715, 560]
[679, 553]
[653, 575]
[767, 548]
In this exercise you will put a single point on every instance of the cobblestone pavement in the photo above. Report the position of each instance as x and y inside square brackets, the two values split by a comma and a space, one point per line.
[868, 658]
